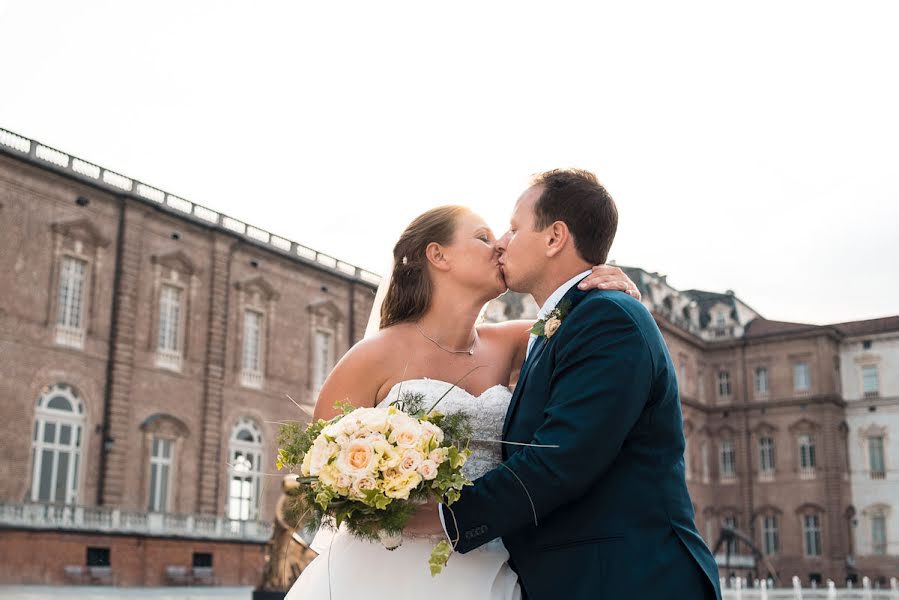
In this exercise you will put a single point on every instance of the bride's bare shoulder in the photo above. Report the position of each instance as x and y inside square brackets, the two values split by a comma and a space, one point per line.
[376, 351]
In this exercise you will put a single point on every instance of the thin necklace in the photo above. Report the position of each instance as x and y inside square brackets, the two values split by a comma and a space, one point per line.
[469, 352]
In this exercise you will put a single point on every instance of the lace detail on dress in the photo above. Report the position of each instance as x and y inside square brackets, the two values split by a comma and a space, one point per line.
[486, 412]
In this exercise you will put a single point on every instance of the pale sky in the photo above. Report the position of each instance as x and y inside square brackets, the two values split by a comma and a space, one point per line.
[752, 147]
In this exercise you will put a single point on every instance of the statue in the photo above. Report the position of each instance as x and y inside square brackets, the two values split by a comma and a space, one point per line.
[286, 553]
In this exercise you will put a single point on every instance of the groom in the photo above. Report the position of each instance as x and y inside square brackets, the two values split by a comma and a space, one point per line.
[597, 506]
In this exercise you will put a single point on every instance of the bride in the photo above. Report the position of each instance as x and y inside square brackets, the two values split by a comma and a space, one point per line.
[445, 271]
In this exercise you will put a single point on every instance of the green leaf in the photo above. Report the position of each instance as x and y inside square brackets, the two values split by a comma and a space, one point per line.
[439, 557]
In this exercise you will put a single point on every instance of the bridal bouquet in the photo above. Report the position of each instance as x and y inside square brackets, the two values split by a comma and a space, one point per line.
[368, 468]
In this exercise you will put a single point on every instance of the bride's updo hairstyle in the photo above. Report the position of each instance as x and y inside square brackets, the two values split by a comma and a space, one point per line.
[409, 293]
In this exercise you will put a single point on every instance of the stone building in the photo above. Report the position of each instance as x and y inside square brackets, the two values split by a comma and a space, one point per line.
[788, 430]
[147, 348]
[869, 365]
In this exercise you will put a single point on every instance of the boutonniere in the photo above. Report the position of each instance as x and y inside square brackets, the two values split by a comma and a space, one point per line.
[548, 326]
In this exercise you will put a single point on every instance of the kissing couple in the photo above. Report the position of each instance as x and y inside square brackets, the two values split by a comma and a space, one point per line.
[586, 496]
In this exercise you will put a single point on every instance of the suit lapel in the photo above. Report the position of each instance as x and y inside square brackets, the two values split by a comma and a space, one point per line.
[574, 295]
[536, 351]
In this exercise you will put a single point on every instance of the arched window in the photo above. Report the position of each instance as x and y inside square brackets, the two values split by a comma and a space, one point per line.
[244, 471]
[56, 445]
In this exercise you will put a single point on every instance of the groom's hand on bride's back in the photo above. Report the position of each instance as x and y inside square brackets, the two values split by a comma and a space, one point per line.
[425, 521]
[608, 277]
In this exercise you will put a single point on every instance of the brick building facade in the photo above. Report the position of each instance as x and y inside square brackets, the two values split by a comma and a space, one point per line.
[147, 349]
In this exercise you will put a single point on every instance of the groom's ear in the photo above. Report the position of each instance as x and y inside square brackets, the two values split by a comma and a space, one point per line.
[557, 237]
[436, 256]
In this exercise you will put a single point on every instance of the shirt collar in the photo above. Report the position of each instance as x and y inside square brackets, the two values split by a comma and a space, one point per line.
[557, 296]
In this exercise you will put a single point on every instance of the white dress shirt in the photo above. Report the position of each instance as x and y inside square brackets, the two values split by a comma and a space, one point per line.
[553, 301]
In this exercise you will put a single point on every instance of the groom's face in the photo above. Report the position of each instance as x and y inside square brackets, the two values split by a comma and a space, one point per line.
[523, 250]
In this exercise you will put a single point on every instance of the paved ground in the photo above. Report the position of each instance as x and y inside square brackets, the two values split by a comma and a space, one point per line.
[44, 592]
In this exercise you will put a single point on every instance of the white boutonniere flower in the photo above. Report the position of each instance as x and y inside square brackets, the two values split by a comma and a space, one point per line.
[547, 327]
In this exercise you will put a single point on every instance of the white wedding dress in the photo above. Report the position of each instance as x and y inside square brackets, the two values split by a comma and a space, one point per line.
[349, 568]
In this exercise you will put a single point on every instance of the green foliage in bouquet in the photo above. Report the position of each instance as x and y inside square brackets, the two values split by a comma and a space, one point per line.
[382, 511]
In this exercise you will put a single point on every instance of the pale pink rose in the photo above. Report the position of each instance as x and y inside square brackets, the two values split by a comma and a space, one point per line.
[428, 470]
[410, 461]
[438, 455]
[364, 483]
[344, 480]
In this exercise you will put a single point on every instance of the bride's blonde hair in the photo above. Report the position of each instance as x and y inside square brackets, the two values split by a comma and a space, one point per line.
[409, 293]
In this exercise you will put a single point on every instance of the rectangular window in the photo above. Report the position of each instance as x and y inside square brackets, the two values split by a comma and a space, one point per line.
[252, 338]
[770, 535]
[97, 557]
[71, 292]
[870, 381]
[724, 384]
[251, 373]
[766, 455]
[879, 535]
[728, 460]
[160, 471]
[875, 457]
[322, 353]
[801, 377]
[202, 559]
[70, 309]
[169, 318]
[168, 353]
[811, 529]
[806, 453]
[761, 381]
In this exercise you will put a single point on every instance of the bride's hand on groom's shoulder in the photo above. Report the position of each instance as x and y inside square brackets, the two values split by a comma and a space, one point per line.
[425, 522]
[608, 277]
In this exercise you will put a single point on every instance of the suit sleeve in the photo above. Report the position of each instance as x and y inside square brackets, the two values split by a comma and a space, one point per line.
[600, 384]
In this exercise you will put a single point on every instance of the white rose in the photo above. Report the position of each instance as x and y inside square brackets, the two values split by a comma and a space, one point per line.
[433, 430]
[305, 468]
[406, 436]
[344, 481]
[410, 461]
[400, 419]
[428, 470]
[374, 420]
[333, 430]
[321, 452]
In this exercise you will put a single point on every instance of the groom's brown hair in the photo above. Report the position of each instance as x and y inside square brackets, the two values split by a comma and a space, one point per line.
[575, 197]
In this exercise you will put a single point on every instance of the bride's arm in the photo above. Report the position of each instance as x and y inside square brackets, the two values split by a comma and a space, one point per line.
[356, 379]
